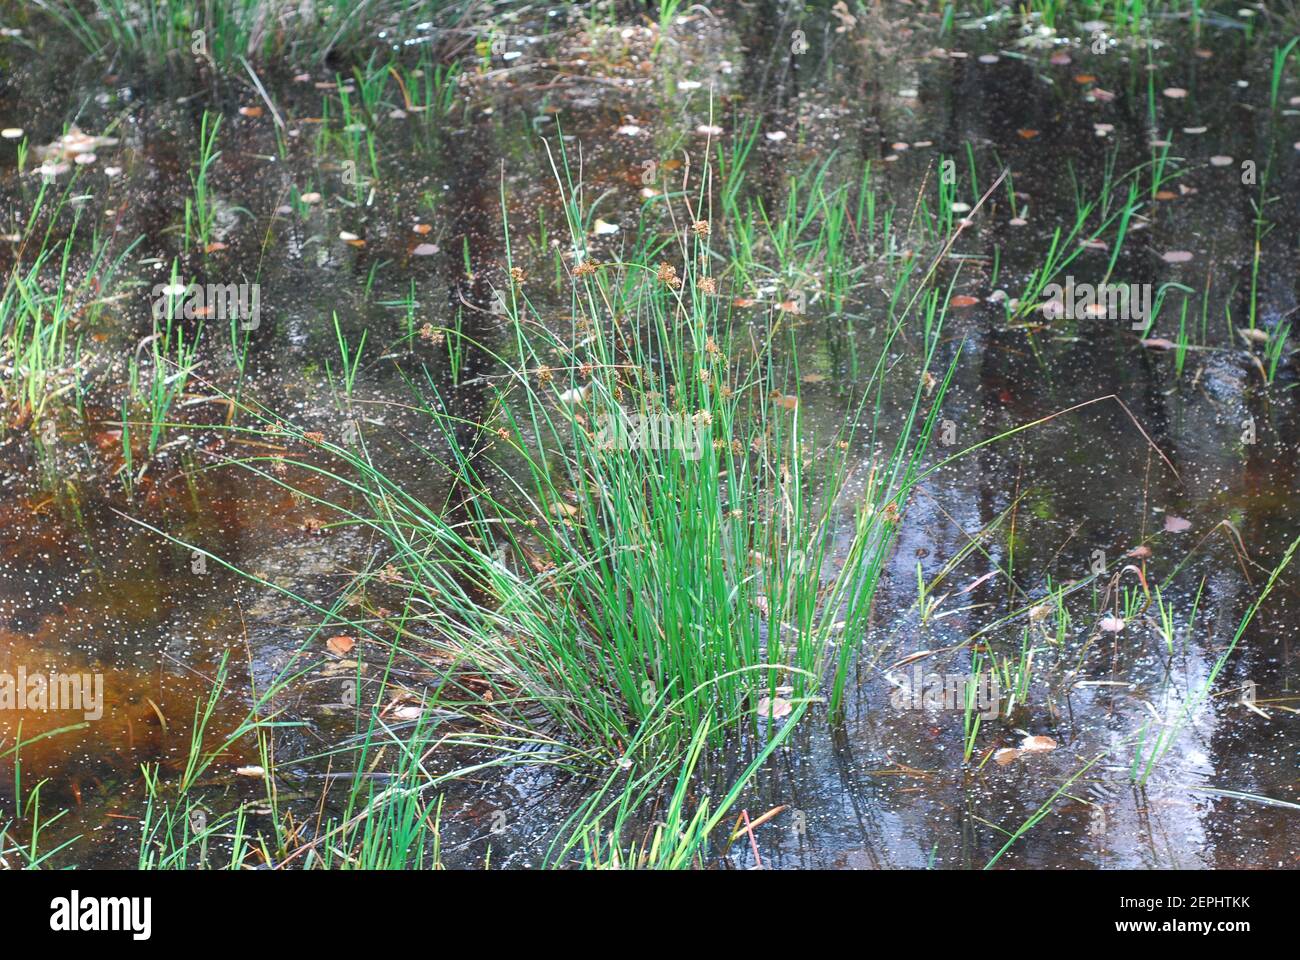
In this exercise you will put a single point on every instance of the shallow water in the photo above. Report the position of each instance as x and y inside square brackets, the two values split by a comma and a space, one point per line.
[85, 586]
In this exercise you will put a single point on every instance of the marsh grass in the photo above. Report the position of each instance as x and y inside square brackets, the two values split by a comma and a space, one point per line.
[40, 320]
[201, 208]
[1146, 756]
[23, 828]
[622, 597]
[586, 580]
[222, 35]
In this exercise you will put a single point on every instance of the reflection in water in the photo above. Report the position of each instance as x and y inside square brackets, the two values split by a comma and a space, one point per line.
[85, 589]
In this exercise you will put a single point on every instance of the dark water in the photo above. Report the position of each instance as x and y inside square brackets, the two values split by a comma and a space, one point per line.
[85, 587]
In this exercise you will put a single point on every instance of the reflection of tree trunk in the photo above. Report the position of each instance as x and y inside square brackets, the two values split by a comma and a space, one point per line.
[474, 216]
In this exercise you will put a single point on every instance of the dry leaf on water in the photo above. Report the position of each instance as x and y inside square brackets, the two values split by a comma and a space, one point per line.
[1037, 744]
[1176, 524]
[776, 707]
[340, 645]
[1112, 624]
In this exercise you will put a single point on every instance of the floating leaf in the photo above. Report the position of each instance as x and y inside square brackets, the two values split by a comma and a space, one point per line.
[1158, 343]
[1176, 524]
[340, 645]
[1037, 744]
[1174, 93]
[251, 771]
[775, 707]
[1176, 256]
[963, 300]
[1005, 755]
[1111, 624]
[424, 250]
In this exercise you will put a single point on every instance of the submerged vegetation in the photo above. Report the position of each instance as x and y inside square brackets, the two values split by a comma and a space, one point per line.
[560, 437]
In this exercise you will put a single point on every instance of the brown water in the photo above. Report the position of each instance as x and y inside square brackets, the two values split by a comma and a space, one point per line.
[84, 587]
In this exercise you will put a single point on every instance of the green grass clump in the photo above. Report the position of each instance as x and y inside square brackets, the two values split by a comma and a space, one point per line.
[584, 573]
